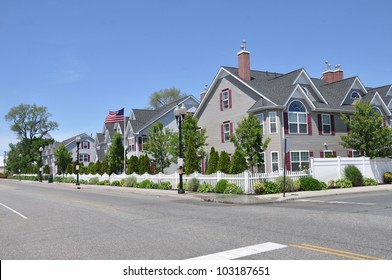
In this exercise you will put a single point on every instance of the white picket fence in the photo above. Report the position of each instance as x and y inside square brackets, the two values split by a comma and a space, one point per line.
[245, 180]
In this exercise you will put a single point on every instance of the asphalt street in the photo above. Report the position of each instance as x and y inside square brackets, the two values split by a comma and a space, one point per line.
[58, 221]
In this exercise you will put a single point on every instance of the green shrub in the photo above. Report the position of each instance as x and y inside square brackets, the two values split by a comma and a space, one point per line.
[146, 184]
[291, 186]
[271, 187]
[93, 181]
[369, 182]
[221, 186]
[101, 183]
[106, 182]
[323, 185]
[259, 187]
[116, 183]
[82, 181]
[331, 184]
[344, 183]
[309, 184]
[164, 186]
[352, 173]
[232, 188]
[192, 184]
[205, 187]
[129, 182]
[387, 177]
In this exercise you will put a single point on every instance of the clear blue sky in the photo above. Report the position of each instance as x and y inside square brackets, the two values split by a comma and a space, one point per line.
[82, 58]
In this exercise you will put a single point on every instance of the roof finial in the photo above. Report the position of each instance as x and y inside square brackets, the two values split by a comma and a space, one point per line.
[243, 45]
[328, 65]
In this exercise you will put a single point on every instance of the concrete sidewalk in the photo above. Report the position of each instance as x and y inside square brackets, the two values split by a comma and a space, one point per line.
[228, 198]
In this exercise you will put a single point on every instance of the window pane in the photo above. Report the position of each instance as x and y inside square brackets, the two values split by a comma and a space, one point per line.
[292, 117]
[295, 166]
[326, 119]
[294, 156]
[303, 128]
[273, 127]
[304, 156]
[272, 116]
[275, 167]
[293, 128]
[274, 157]
[327, 129]
[302, 118]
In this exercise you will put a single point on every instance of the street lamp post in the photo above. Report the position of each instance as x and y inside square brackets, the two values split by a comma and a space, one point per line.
[20, 159]
[40, 163]
[77, 140]
[179, 113]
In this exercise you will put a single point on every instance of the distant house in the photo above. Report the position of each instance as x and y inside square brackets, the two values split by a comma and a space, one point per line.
[141, 120]
[86, 150]
[304, 110]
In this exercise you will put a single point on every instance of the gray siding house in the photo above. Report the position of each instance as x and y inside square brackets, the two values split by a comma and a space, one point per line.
[141, 120]
[295, 106]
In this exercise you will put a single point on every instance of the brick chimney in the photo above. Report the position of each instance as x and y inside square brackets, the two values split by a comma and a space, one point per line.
[331, 76]
[203, 93]
[244, 62]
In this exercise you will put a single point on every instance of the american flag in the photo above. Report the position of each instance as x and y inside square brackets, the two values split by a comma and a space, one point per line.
[115, 116]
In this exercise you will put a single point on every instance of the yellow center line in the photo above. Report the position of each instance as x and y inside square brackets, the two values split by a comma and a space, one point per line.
[331, 251]
[93, 204]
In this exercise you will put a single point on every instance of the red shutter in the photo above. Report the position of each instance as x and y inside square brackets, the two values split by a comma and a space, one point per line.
[334, 153]
[286, 122]
[321, 154]
[231, 128]
[221, 102]
[140, 143]
[309, 124]
[350, 153]
[88, 143]
[230, 99]
[88, 157]
[222, 134]
[287, 161]
[333, 124]
[311, 154]
[320, 124]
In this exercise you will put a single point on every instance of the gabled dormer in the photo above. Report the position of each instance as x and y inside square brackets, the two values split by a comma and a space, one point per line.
[309, 88]
[300, 93]
[355, 93]
[377, 102]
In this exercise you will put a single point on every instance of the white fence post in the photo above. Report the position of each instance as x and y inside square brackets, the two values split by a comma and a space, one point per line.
[339, 168]
[247, 182]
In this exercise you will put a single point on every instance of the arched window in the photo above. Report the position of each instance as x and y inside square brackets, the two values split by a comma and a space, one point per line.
[298, 123]
[376, 110]
[355, 95]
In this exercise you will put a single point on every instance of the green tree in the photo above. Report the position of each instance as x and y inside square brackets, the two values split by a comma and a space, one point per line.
[91, 168]
[63, 158]
[98, 168]
[189, 127]
[191, 159]
[69, 169]
[238, 163]
[46, 169]
[212, 166]
[224, 162]
[144, 164]
[133, 165]
[105, 165]
[248, 138]
[116, 155]
[31, 125]
[164, 96]
[367, 133]
[158, 145]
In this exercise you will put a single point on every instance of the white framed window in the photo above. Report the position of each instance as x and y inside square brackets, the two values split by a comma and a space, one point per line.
[273, 123]
[275, 161]
[144, 141]
[84, 157]
[328, 153]
[132, 146]
[299, 160]
[261, 119]
[376, 110]
[85, 145]
[326, 124]
[356, 153]
[225, 99]
[226, 132]
[355, 95]
[297, 118]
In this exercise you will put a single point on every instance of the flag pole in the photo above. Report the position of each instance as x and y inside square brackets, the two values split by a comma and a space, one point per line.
[124, 141]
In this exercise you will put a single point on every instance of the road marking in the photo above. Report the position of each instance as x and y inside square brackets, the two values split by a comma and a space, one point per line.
[336, 202]
[93, 204]
[335, 252]
[242, 252]
[16, 212]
